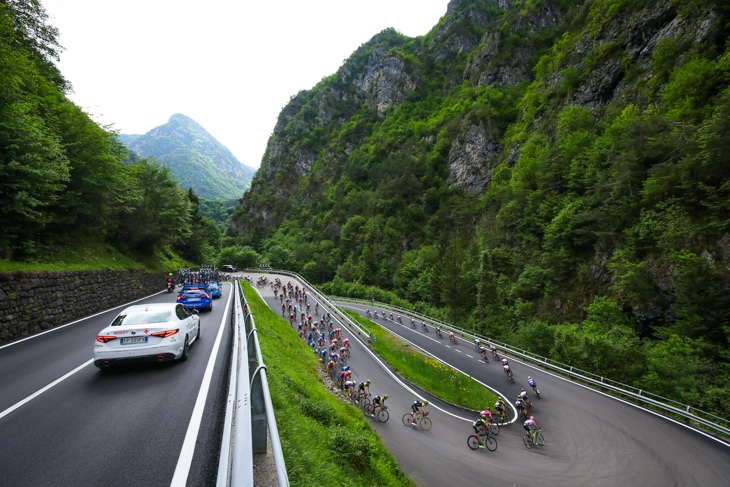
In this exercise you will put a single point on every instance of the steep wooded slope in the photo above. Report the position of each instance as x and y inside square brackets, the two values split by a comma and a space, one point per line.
[525, 165]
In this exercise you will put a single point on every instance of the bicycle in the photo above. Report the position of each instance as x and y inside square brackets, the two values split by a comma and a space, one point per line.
[382, 414]
[493, 426]
[502, 416]
[364, 402]
[421, 420]
[438, 333]
[488, 441]
[539, 439]
[509, 376]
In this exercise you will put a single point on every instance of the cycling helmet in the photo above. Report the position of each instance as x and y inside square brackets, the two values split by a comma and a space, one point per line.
[487, 409]
[528, 378]
[385, 396]
[367, 382]
[532, 418]
[425, 403]
[522, 390]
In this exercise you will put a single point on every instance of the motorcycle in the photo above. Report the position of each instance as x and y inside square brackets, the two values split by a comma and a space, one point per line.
[170, 287]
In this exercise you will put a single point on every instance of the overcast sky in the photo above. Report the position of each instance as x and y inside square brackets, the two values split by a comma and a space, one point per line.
[231, 65]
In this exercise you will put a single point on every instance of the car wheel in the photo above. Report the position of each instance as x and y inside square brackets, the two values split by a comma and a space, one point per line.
[186, 350]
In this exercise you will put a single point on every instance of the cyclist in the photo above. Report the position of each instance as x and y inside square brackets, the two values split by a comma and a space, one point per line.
[487, 415]
[378, 401]
[316, 308]
[499, 406]
[531, 427]
[413, 323]
[346, 343]
[367, 312]
[452, 337]
[482, 351]
[533, 384]
[507, 370]
[331, 366]
[476, 343]
[343, 352]
[343, 376]
[349, 385]
[363, 388]
[525, 397]
[505, 361]
[478, 425]
[520, 407]
[418, 407]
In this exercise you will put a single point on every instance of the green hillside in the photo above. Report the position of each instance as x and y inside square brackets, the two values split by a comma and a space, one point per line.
[195, 158]
[550, 172]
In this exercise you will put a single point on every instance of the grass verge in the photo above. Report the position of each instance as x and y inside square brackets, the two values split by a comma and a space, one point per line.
[424, 371]
[325, 442]
[92, 256]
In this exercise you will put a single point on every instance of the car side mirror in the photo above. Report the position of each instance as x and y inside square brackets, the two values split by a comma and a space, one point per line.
[195, 311]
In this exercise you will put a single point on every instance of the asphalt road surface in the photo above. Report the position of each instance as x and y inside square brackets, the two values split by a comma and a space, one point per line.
[125, 427]
[591, 439]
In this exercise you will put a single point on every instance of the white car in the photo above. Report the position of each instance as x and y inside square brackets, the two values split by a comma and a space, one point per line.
[155, 332]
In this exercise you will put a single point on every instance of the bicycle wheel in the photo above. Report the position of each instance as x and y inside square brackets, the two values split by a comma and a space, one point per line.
[425, 423]
[490, 443]
[407, 418]
[382, 416]
[473, 442]
[527, 441]
[540, 439]
[364, 402]
[494, 428]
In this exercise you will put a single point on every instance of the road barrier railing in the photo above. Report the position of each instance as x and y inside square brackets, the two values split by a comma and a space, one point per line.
[250, 416]
[361, 330]
[691, 415]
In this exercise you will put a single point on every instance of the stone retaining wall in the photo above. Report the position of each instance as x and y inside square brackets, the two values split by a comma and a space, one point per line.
[34, 301]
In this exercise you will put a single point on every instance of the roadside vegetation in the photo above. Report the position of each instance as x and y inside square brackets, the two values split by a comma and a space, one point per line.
[325, 442]
[424, 371]
[68, 184]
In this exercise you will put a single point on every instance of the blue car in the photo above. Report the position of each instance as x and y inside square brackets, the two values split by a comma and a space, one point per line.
[215, 289]
[195, 296]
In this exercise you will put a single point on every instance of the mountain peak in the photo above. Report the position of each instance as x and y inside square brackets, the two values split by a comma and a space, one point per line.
[195, 157]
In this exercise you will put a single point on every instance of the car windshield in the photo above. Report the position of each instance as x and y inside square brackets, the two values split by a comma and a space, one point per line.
[142, 317]
[192, 290]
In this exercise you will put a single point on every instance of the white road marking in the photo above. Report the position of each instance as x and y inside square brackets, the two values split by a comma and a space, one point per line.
[41, 391]
[458, 350]
[469, 356]
[182, 470]
[77, 321]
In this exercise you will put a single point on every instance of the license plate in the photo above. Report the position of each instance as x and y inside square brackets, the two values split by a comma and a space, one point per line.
[130, 340]
[193, 299]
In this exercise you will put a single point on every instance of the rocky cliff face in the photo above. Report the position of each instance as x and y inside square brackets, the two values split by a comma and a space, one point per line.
[491, 44]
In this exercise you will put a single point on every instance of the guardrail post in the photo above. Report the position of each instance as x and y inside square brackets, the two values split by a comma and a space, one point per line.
[252, 359]
[259, 433]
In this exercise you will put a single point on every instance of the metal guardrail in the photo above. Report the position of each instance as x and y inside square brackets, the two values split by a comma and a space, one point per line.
[313, 291]
[709, 421]
[249, 412]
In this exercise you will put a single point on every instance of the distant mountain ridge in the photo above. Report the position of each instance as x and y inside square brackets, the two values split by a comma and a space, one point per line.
[195, 157]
